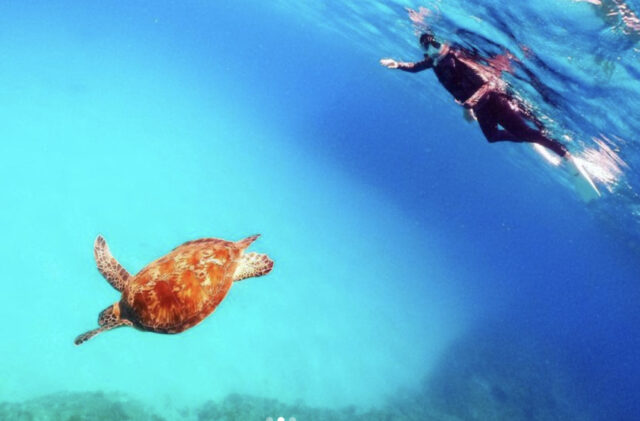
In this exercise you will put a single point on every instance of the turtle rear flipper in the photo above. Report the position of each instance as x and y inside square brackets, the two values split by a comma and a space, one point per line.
[252, 264]
[109, 319]
[243, 244]
[108, 266]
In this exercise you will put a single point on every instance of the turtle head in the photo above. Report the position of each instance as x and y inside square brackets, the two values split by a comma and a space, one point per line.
[109, 315]
[108, 319]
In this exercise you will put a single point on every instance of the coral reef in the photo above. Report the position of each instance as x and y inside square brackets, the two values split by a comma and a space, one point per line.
[507, 376]
[241, 407]
[484, 376]
[96, 406]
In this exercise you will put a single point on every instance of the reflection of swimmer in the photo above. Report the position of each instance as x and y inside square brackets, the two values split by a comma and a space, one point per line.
[618, 14]
[482, 93]
[621, 19]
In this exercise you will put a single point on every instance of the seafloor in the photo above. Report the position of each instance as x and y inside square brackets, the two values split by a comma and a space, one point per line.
[484, 376]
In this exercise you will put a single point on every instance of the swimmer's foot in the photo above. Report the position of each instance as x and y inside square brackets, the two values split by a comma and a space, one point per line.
[572, 163]
[567, 157]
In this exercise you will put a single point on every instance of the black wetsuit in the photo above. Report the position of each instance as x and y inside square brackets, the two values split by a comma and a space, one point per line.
[493, 109]
[456, 76]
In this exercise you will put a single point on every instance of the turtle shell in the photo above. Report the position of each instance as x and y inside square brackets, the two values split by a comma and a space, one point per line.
[179, 290]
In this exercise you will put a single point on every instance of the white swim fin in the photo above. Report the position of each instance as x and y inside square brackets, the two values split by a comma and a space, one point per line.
[582, 182]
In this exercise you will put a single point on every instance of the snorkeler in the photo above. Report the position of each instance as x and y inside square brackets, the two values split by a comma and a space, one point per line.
[479, 89]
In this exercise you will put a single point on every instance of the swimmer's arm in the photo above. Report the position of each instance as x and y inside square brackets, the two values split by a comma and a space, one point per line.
[473, 101]
[416, 67]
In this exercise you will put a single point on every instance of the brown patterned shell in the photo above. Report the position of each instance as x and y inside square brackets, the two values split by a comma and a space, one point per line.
[180, 289]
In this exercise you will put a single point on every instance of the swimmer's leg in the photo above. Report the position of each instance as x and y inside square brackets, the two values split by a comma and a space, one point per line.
[514, 122]
[489, 127]
[516, 125]
[488, 122]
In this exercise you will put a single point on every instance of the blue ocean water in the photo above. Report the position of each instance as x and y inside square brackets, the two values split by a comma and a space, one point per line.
[416, 265]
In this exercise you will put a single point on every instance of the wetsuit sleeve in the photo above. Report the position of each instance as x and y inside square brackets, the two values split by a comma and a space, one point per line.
[416, 67]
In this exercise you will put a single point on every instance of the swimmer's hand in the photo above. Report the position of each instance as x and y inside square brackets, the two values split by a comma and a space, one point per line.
[389, 63]
[477, 96]
[469, 115]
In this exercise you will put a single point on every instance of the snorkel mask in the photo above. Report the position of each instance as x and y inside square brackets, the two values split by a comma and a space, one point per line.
[427, 39]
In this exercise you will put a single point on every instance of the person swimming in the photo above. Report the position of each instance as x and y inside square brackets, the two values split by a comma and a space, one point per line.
[481, 91]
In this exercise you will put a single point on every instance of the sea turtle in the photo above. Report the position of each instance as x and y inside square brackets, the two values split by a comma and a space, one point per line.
[176, 291]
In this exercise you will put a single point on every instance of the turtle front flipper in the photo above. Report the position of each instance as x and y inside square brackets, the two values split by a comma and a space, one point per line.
[108, 319]
[108, 266]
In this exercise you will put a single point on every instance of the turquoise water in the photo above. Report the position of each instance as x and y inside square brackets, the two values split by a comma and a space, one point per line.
[416, 266]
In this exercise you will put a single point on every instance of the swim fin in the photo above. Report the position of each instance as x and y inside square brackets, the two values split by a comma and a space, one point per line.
[582, 182]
